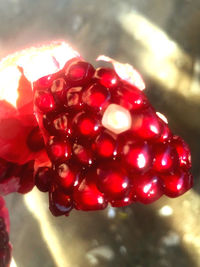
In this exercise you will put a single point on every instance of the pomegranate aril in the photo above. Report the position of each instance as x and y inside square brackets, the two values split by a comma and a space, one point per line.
[58, 89]
[147, 187]
[105, 146]
[79, 73]
[83, 153]
[45, 101]
[85, 124]
[87, 196]
[176, 184]
[107, 77]
[58, 124]
[165, 158]
[130, 97]
[183, 151]
[112, 181]
[60, 203]
[138, 156]
[146, 125]
[35, 140]
[96, 96]
[66, 176]
[122, 202]
[166, 134]
[73, 97]
[43, 178]
[45, 82]
[58, 150]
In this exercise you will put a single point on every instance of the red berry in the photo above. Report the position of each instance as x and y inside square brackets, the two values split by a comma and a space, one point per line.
[58, 125]
[60, 203]
[131, 98]
[112, 181]
[165, 158]
[105, 145]
[138, 156]
[87, 196]
[45, 82]
[177, 183]
[66, 176]
[45, 101]
[73, 97]
[85, 124]
[79, 73]
[107, 77]
[166, 134]
[35, 140]
[43, 178]
[147, 187]
[83, 153]
[183, 151]
[146, 125]
[96, 96]
[58, 150]
[125, 201]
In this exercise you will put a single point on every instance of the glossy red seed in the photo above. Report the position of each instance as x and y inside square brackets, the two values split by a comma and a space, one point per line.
[112, 181]
[125, 201]
[58, 125]
[177, 183]
[86, 124]
[73, 97]
[130, 97]
[45, 82]
[43, 178]
[79, 73]
[58, 150]
[83, 153]
[166, 134]
[58, 85]
[105, 145]
[147, 187]
[146, 125]
[165, 158]
[183, 151]
[87, 196]
[60, 203]
[107, 77]
[35, 140]
[66, 176]
[45, 102]
[138, 156]
[96, 96]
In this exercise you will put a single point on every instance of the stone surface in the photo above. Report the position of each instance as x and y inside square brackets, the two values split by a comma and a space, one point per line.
[161, 39]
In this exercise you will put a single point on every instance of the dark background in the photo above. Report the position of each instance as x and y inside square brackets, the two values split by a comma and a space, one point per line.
[161, 39]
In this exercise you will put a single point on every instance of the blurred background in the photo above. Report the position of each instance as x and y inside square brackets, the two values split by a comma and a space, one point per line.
[161, 39]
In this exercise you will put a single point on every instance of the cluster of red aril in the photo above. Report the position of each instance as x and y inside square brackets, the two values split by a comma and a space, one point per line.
[93, 165]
